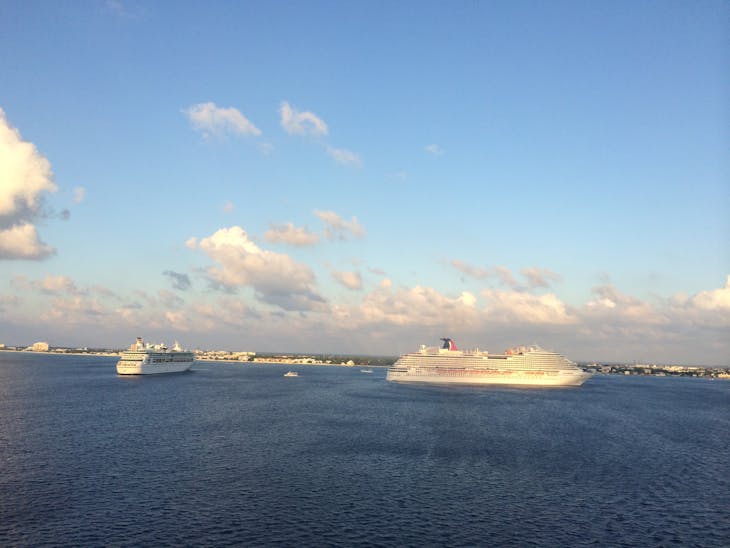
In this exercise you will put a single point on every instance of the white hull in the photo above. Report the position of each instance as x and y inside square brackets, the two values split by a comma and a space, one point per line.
[130, 368]
[511, 378]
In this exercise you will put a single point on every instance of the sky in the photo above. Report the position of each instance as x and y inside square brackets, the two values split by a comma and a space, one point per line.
[366, 177]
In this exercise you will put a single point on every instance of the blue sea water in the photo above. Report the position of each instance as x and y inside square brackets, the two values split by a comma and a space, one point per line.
[234, 454]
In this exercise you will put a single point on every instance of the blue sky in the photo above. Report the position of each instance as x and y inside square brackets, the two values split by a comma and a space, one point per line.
[368, 176]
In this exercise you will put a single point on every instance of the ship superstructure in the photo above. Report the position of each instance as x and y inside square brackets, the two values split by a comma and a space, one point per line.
[146, 359]
[524, 365]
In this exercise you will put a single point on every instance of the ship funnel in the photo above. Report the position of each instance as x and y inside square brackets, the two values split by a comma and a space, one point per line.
[448, 344]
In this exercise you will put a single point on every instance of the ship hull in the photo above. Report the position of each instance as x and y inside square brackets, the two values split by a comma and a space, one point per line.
[510, 378]
[152, 369]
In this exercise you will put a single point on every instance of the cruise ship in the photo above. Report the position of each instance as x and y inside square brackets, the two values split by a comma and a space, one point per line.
[147, 359]
[521, 366]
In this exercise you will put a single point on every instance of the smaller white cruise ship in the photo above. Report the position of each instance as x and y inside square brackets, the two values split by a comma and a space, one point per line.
[147, 359]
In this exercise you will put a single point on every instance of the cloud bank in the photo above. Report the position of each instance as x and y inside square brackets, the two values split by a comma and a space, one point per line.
[286, 309]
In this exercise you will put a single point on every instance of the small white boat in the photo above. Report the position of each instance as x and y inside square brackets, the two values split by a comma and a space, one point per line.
[366, 371]
[291, 374]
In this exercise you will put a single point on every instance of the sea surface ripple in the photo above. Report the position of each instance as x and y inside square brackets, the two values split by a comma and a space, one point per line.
[234, 454]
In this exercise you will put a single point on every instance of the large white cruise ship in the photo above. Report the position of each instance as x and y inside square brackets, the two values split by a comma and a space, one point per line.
[147, 359]
[531, 366]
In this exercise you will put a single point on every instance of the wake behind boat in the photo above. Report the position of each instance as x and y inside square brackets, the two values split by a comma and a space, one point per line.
[147, 359]
[529, 366]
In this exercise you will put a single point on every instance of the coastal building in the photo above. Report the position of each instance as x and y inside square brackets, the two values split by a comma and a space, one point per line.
[40, 347]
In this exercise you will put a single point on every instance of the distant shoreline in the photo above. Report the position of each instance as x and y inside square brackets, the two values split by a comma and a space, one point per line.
[714, 372]
[55, 353]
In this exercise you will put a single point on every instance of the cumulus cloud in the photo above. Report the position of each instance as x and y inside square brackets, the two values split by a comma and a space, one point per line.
[710, 308]
[419, 305]
[338, 228]
[434, 149]
[717, 299]
[212, 120]
[291, 235]
[521, 307]
[295, 122]
[21, 241]
[276, 278]
[26, 178]
[178, 280]
[344, 157]
[610, 304]
[351, 280]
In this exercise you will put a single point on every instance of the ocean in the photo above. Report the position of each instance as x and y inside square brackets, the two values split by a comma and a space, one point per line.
[236, 454]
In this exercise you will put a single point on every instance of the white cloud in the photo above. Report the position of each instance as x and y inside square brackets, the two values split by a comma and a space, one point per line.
[539, 277]
[291, 235]
[338, 228]
[520, 307]
[22, 242]
[610, 305]
[79, 194]
[178, 320]
[536, 277]
[505, 276]
[416, 306]
[301, 123]
[434, 149]
[58, 284]
[351, 280]
[717, 299]
[276, 278]
[470, 270]
[212, 120]
[709, 308]
[344, 157]
[76, 310]
[168, 299]
[25, 178]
